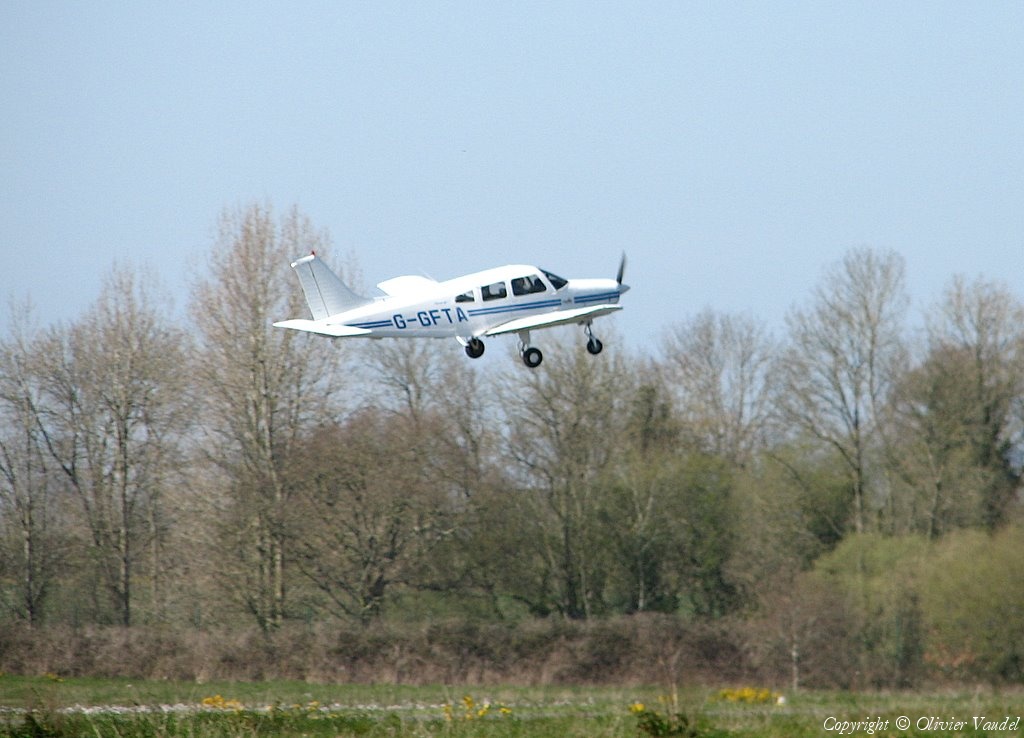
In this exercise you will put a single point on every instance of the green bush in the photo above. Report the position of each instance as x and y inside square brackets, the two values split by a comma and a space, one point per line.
[973, 601]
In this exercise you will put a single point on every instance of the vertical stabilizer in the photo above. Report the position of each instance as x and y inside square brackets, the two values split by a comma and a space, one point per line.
[325, 293]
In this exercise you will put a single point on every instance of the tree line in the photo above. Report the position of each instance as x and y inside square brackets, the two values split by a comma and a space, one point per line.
[844, 496]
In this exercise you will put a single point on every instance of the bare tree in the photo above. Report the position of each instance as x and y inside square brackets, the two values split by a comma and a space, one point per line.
[563, 422]
[977, 343]
[720, 367]
[371, 513]
[933, 453]
[958, 436]
[111, 415]
[407, 375]
[262, 387]
[642, 480]
[29, 491]
[843, 353]
[428, 386]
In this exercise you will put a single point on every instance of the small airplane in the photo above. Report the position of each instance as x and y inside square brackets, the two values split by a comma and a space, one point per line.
[509, 299]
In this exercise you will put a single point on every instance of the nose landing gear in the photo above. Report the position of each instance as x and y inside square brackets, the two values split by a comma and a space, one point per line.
[594, 345]
[474, 348]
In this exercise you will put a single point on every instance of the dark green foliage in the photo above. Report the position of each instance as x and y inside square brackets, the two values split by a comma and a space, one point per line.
[34, 726]
[208, 725]
[658, 724]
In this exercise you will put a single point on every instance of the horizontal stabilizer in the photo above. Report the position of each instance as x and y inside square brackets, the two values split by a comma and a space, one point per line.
[336, 330]
[548, 320]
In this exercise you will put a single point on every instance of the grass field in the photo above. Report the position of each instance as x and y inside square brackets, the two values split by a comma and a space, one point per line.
[51, 706]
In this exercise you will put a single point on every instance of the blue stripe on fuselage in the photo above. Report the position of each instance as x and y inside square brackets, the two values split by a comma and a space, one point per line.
[601, 297]
[373, 324]
[497, 310]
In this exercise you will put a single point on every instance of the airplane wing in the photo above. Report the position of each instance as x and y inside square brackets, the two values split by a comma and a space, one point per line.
[547, 320]
[323, 328]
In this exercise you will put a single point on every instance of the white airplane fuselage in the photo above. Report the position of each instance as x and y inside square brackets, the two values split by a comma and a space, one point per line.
[442, 314]
[508, 299]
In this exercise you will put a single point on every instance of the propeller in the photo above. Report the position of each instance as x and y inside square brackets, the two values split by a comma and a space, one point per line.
[622, 268]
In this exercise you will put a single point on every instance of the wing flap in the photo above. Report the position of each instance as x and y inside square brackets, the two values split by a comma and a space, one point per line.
[324, 329]
[549, 320]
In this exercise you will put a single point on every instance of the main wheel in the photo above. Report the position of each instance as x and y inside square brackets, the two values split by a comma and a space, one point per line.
[594, 346]
[532, 357]
[475, 348]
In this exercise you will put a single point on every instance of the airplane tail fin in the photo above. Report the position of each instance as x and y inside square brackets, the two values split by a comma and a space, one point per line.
[325, 293]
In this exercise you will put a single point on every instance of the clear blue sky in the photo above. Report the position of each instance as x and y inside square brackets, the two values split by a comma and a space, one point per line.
[732, 149]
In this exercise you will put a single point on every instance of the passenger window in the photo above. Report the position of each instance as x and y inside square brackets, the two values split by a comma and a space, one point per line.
[527, 285]
[494, 291]
[466, 297]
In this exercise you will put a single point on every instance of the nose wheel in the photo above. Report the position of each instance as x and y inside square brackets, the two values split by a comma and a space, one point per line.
[474, 348]
[594, 345]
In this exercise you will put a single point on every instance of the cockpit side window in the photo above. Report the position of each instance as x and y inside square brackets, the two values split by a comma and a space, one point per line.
[556, 281]
[494, 291]
[528, 285]
[465, 297]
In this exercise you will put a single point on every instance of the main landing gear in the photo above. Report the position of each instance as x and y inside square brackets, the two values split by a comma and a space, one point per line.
[531, 355]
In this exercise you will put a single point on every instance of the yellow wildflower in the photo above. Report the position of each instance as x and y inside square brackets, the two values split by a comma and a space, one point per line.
[220, 703]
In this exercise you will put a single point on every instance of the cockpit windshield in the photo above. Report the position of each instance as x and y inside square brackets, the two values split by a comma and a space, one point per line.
[556, 281]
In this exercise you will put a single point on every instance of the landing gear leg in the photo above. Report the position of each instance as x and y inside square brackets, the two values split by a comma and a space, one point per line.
[594, 345]
[532, 357]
